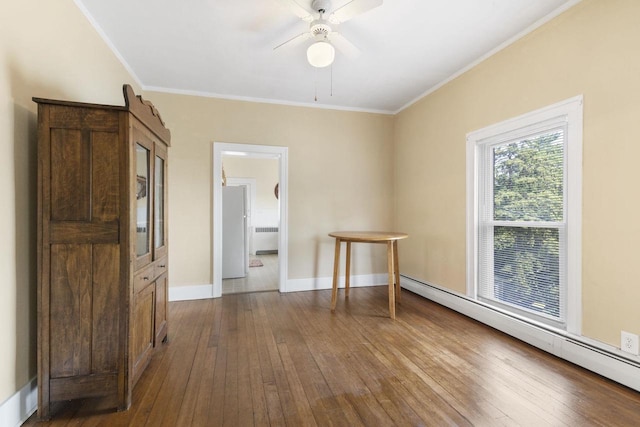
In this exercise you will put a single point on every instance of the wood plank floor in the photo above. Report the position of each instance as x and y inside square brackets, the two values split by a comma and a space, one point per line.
[271, 359]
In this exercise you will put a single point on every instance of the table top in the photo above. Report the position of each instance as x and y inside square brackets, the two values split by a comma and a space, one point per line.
[368, 236]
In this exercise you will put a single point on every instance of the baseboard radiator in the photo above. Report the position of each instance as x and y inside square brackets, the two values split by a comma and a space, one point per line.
[265, 240]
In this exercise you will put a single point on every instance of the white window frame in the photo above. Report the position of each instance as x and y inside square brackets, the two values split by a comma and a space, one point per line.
[570, 111]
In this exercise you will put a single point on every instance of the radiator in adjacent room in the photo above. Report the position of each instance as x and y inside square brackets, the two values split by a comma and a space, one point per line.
[265, 240]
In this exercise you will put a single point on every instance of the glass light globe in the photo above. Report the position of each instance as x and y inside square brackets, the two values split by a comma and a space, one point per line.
[321, 54]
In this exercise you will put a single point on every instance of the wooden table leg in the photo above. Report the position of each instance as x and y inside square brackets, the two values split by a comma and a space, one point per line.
[396, 269]
[348, 272]
[392, 299]
[336, 268]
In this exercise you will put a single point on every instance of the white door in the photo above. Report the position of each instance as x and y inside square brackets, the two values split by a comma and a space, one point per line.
[234, 232]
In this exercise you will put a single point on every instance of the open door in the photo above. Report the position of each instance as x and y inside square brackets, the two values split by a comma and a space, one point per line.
[234, 232]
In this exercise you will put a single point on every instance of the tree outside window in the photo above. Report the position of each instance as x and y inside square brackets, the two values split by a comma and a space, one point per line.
[528, 187]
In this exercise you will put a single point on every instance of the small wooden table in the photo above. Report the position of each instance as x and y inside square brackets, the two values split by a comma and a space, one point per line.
[391, 239]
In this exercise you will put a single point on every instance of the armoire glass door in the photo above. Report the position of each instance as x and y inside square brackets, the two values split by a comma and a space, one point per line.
[143, 199]
[159, 238]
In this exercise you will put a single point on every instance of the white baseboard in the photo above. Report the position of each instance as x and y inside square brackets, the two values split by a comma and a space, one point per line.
[600, 358]
[15, 410]
[192, 292]
[185, 293]
[320, 283]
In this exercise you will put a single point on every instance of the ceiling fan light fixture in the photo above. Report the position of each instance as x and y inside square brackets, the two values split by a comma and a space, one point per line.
[321, 54]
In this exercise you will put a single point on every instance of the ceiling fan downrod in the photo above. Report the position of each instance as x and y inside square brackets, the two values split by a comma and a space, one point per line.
[321, 6]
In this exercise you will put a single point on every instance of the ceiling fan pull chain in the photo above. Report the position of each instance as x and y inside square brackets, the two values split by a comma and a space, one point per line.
[331, 90]
[315, 85]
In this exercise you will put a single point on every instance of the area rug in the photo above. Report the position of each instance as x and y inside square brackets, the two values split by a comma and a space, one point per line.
[255, 263]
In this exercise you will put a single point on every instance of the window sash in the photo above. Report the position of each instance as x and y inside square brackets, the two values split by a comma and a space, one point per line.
[567, 113]
[487, 282]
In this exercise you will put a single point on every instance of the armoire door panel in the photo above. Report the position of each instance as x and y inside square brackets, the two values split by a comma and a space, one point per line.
[105, 175]
[143, 327]
[161, 308]
[70, 168]
[84, 232]
[70, 314]
[106, 308]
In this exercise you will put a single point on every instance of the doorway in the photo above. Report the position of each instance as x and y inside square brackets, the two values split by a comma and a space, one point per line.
[258, 177]
[220, 150]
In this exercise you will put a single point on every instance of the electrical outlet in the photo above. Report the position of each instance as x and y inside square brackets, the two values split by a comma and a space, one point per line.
[629, 343]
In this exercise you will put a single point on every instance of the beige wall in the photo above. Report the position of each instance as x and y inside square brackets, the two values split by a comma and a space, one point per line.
[49, 50]
[340, 173]
[592, 49]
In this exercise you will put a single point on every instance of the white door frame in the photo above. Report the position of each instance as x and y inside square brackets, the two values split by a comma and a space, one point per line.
[249, 151]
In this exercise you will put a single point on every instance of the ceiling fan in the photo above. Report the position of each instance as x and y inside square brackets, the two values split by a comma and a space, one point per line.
[323, 22]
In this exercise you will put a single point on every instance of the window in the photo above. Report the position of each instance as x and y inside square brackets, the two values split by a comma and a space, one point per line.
[524, 215]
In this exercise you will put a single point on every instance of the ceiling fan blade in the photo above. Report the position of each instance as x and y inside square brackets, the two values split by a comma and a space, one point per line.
[344, 45]
[351, 9]
[294, 41]
[302, 12]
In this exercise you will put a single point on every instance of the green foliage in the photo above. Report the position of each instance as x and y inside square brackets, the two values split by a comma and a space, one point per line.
[527, 269]
[528, 186]
[528, 178]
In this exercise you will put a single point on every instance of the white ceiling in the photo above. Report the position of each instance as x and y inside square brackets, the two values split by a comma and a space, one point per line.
[224, 48]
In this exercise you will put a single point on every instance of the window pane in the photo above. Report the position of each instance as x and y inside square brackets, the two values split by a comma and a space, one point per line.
[527, 268]
[159, 202]
[142, 200]
[528, 179]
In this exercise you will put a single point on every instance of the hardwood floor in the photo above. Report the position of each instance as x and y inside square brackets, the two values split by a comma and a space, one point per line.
[272, 359]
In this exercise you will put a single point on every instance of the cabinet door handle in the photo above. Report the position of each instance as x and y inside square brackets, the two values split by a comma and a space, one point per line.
[145, 278]
[162, 266]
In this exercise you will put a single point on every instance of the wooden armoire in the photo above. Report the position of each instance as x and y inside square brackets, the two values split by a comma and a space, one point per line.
[102, 248]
